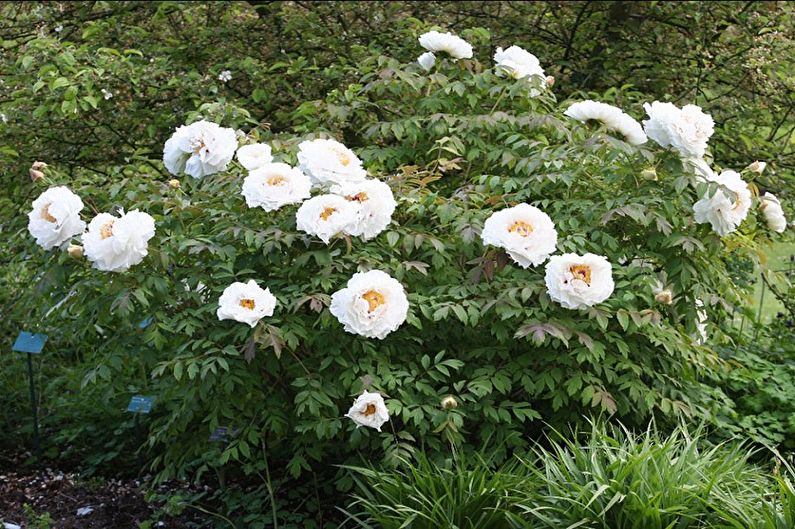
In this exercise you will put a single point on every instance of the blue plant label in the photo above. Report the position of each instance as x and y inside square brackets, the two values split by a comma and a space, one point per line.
[140, 404]
[28, 342]
[146, 322]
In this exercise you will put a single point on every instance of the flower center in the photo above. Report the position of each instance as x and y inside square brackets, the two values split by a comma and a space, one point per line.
[343, 158]
[276, 180]
[369, 410]
[106, 230]
[247, 303]
[45, 214]
[374, 299]
[581, 272]
[522, 228]
[327, 212]
[737, 201]
[198, 145]
[358, 197]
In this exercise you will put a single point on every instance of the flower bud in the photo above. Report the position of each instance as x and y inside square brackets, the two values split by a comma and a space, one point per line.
[757, 167]
[75, 251]
[38, 165]
[174, 183]
[664, 296]
[449, 403]
[36, 175]
[550, 81]
[650, 173]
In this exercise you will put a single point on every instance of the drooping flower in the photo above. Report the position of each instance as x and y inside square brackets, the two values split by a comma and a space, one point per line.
[427, 60]
[579, 281]
[114, 244]
[375, 204]
[516, 62]
[329, 162]
[373, 304]
[326, 216]
[225, 76]
[274, 185]
[687, 130]
[55, 217]
[613, 118]
[199, 149]
[246, 302]
[254, 156]
[369, 410]
[454, 46]
[727, 208]
[524, 231]
[774, 215]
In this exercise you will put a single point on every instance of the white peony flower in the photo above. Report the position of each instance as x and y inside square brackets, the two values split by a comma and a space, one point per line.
[774, 215]
[372, 305]
[454, 46]
[613, 118]
[199, 149]
[254, 156]
[524, 231]
[369, 410]
[579, 281]
[375, 204]
[55, 217]
[517, 63]
[114, 244]
[686, 130]
[728, 207]
[246, 303]
[326, 216]
[274, 185]
[427, 60]
[329, 162]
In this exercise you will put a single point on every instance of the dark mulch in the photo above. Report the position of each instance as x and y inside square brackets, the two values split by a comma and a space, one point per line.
[114, 504]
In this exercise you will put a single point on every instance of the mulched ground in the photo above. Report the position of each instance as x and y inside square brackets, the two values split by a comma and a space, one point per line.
[113, 504]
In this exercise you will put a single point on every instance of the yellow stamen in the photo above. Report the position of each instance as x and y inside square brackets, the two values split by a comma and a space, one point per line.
[522, 228]
[358, 197]
[369, 410]
[45, 214]
[326, 213]
[248, 304]
[276, 180]
[374, 299]
[581, 272]
[344, 159]
[106, 230]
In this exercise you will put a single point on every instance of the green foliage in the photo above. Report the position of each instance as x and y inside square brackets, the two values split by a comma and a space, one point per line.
[607, 478]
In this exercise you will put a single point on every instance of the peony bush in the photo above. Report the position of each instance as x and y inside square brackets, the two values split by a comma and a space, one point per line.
[442, 243]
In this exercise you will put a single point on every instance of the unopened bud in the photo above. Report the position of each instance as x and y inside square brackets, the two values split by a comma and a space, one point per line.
[550, 81]
[38, 165]
[174, 183]
[36, 175]
[75, 251]
[664, 296]
[650, 173]
[757, 167]
[449, 403]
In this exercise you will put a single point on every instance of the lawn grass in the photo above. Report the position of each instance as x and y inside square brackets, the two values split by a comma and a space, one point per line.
[778, 259]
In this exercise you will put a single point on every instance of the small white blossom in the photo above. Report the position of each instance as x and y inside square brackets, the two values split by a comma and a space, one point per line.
[275, 185]
[427, 60]
[254, 156]
[329, 162]
[687, 130]
[579, 281]
[59, 28]
[106, 94]
[613, 118]
[774, 214]
[114, 244]
[757, 167]
[246, 302]
[518, 63]
[199, 149]
[326, 216]
[225, 76]
[55, 217]
[454, 46]
[375, 204]
[524, 231]
[369, 410]
[373, 304]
